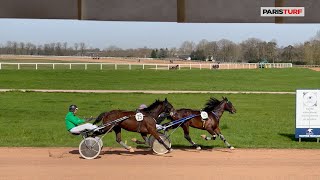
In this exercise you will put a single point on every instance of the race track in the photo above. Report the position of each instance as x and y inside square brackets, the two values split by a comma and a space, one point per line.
[182, 163]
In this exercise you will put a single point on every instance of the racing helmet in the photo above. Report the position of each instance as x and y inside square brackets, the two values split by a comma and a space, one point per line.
[73, 107]
[142, 106]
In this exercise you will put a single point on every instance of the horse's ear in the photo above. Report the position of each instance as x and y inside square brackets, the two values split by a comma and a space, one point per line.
[225, 98]
[165, 100]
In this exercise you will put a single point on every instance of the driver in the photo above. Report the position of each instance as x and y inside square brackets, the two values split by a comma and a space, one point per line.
[142, 106]
[73, 122]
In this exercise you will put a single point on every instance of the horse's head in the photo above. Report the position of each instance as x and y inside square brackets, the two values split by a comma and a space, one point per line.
[228, 105]
[159, 107]
[168, 108]
[225, 105]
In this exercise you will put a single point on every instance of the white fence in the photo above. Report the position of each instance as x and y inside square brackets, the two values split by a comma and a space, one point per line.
[307, 66]
[130, 66]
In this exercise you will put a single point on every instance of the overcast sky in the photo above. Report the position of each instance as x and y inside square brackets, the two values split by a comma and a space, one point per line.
[102, 34]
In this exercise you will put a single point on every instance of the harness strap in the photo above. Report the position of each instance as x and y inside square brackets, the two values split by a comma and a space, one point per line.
[113, 122]
[139, 127]
[182, 120]
[203, 122]
[215, 115]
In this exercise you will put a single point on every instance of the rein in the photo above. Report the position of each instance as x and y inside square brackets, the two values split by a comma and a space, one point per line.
[215, 115]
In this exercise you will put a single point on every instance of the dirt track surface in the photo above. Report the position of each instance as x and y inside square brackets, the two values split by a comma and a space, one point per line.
[66, 163]
[315, 69]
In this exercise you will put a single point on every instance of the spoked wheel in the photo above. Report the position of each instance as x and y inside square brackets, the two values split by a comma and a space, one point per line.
[99, 140]
[157, 147]
[89, 148]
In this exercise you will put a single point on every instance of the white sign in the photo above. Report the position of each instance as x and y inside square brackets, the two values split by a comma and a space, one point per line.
[307, 113]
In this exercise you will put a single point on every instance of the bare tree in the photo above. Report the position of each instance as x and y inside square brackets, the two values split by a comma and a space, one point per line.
[204, 46]
[14, 47]
[250, 50]
[173, 52]
[57, 49]
[21, 48]
[213, 49]
[82, 48]
[272, 50]
[76, 47]
[227, 51]
[187, 47]
[65, 48]
[40, 50]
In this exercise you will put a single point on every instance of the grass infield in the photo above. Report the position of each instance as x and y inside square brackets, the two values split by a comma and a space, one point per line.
[197, 80]
[262, 121]
[37, 119]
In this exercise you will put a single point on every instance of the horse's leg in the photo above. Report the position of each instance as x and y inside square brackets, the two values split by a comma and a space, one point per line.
[218, 132]
[212, 132]
[144, 136]
[186, 135]
[152, 130]
[117, 130]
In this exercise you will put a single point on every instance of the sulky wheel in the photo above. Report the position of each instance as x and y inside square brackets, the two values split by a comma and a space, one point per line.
[89, 148]
[157, 147]
[99, 139]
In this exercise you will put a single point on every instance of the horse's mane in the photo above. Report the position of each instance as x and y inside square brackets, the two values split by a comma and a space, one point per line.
[211, 104]
[153, 105]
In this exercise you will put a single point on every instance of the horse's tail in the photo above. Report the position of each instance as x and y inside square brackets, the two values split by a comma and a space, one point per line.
[100, 117]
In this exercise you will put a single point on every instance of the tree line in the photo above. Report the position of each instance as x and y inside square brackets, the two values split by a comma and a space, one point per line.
[251, 50]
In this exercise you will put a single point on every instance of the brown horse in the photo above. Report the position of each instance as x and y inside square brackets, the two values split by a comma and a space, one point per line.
[144, 127]
[214, 109]
[174, 67]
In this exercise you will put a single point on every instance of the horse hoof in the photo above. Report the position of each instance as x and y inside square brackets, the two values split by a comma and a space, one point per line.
[134, 139]
[170, 150]
[214, 137]
[131, 150]
[232, 148]
[203, 136]
[198, 148]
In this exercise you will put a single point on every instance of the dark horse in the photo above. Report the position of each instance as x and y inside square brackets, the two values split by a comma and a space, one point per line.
[174, 67]
[215, 66]
[144, 127]
[215, 109]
